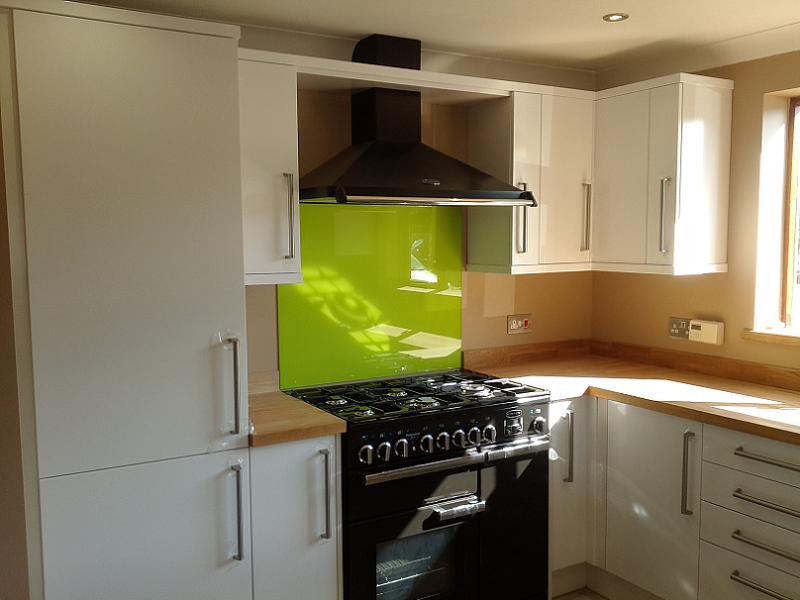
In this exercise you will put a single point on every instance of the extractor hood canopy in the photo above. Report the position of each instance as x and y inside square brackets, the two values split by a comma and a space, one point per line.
[388, 163]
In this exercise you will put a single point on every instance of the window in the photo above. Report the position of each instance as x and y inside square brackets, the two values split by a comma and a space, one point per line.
[791, 270]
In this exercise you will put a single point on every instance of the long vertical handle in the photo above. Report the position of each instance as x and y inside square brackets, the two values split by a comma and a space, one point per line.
[326, 534]
[571, 465]
[687, 437]
[662, 234]
[290, 213]
[237, 386]
[522, 240]
[587, 217]
[237, 469]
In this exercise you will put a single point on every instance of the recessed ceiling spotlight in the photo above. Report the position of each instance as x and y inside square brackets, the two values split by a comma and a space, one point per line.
[615, 17]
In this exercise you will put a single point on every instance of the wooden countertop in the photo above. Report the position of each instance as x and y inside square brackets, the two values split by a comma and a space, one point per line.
[757, 409]
[278, 418]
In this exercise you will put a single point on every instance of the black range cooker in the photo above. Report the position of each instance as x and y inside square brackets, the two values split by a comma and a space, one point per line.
[445, 487]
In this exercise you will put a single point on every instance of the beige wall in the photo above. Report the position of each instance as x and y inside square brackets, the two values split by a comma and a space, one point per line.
[635, 308]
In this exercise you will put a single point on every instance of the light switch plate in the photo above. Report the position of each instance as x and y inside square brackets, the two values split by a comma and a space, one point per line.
[519, 324]
[679, 327]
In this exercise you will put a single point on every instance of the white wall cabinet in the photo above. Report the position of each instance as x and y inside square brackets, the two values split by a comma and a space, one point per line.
[161, 530]
[653, 495]
[133, 240]
[270, 172]
[295, 520]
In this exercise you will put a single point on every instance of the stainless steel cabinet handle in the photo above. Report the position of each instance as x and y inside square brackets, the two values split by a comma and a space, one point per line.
[742, 495]
[687, 437]
[662, 235]
[754, 585]
[740, 451]
[472, 507]
[237, 469]
[237, 387]
[570, 416]
[290, 212]
[326, 534]
[587, 217]
[737, 535]
[522, 240]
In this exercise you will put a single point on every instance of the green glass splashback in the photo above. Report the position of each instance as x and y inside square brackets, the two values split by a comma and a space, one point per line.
[381, 294]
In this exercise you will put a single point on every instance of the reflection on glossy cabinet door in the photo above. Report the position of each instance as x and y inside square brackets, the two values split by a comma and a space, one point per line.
[295, 516]
[133, 238]
[653, 490]
[566, 187]
[268, 128]
[526, 174]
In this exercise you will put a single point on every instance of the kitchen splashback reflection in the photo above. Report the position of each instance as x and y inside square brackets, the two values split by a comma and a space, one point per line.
[381, 294]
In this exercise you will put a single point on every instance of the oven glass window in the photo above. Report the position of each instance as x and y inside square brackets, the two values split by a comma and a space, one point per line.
[420, 567]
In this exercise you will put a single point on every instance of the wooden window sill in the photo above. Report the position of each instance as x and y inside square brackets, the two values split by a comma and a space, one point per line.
[773, 336]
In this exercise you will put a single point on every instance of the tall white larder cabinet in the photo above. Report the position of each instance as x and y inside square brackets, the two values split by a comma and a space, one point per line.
[128, 133]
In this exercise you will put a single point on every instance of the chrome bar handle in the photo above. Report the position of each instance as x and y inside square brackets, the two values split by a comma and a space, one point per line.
[237, 469]
[737, 535]
[472, 507]
[326, 534]
[587, 217]
[237, 384]
[754, 585]
[662, 235]
[687, 437]
[290, 213]
[570, 416]
[522, 241]
[740, 451]
[742, 495]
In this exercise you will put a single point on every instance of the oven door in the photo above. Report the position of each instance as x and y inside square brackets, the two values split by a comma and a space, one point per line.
[430, 553]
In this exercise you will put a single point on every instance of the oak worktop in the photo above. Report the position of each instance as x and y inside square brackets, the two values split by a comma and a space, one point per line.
[752, 408]
[278, 418]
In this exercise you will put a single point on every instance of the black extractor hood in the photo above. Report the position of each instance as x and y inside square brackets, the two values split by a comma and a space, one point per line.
[388, 163]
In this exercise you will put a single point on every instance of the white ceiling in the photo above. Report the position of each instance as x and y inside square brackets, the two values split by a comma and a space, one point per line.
[567, 33]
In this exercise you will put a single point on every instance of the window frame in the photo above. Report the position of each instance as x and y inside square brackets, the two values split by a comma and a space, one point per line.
[791, 208]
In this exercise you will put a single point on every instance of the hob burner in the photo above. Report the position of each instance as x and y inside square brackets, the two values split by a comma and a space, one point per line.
[421, 403]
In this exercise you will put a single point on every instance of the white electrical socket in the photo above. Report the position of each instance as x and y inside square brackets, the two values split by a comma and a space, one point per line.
[519, 324]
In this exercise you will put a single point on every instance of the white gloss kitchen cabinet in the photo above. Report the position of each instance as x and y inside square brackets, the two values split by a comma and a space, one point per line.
[543, 143]
[295, 520]
[660, 202]
[126, 230]
[270, 172]
[653, 500]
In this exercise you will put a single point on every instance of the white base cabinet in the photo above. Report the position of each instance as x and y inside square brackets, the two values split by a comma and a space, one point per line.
[295, 520]
[653, 489]
[156, 531]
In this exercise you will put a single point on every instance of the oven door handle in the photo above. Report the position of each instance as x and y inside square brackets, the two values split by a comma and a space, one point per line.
[523, 450]
[469, 459]
[472, 507]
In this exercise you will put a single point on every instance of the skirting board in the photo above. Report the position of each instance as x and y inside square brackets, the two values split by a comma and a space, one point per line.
[577, 577]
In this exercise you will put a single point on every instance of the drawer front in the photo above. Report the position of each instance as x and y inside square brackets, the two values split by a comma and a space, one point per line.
[756, 539]
[728, 576]
[766, 458]
[770, 501]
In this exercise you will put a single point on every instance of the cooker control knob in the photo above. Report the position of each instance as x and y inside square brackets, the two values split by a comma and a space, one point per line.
[426, 443]
[385, 451]
[539, 425]
[490, 434]
[443, 441]
[460, 438]
[474, 436]
[402, 448]
[366, 455]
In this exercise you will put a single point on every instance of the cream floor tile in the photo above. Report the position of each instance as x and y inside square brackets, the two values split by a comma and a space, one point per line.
[581, 595]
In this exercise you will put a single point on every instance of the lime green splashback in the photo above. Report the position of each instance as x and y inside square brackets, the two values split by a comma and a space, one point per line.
[381, 294]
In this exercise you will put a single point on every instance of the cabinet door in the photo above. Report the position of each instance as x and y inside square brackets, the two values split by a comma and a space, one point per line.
[567, 157]
[619, 207]
[295, 520]
[665, 116]
[569, 480]
[527, 149]
[268, 121]
[653, 536]
[161, 531]
[129, 141]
